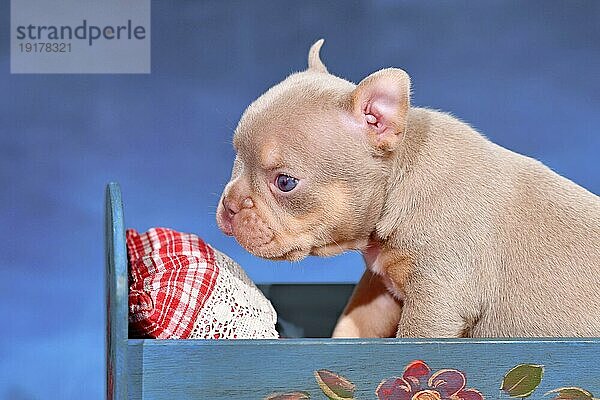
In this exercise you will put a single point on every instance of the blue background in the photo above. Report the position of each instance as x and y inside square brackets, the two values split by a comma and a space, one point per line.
[527, 74]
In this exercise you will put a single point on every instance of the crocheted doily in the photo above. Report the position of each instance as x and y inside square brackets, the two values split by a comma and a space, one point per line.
[236, 309]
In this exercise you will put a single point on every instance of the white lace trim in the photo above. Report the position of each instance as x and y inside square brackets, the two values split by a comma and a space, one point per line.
[236, 309]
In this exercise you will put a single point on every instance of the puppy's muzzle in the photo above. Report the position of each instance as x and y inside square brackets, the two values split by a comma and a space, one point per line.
[238, 217]
[228, 210]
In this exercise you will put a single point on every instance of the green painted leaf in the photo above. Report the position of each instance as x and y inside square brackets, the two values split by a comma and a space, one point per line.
[522, 380]
[571, 393]
[289, 396]
[334, 386]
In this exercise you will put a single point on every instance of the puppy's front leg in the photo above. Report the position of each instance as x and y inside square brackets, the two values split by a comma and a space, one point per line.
[433, 312]
[372, 311]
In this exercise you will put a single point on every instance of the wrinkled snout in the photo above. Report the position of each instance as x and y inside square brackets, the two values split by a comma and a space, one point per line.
[228, 208]
[238, 216]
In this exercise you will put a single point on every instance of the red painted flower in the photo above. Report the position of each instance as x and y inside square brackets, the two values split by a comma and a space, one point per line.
[418, 383]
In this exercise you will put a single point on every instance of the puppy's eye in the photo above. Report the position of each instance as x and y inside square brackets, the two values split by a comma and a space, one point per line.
[285, 183]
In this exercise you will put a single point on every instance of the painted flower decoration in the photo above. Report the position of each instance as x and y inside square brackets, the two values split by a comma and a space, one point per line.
[418, 383]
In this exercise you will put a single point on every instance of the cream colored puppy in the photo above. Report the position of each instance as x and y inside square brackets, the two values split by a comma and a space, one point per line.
[461, 237]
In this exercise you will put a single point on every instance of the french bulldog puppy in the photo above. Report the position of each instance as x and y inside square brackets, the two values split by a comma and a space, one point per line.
[461, 237]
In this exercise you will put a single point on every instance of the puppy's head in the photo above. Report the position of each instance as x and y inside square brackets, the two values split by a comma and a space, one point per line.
[310, 174]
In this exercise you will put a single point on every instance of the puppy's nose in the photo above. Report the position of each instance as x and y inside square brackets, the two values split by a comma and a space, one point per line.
[233, 207]
[230, 207]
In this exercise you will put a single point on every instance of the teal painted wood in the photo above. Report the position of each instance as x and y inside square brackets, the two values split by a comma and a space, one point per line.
[246, 369]
[117, 298]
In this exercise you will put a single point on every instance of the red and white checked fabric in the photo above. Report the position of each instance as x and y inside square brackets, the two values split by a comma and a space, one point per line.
[171, 275]
[182, 288]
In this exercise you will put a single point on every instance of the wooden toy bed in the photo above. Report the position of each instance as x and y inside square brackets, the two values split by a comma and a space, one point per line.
[327, 368]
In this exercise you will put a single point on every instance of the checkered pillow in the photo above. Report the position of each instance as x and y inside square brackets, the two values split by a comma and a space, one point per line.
[181, 288]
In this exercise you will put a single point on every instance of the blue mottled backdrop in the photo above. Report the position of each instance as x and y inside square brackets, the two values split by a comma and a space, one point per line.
[527, 74]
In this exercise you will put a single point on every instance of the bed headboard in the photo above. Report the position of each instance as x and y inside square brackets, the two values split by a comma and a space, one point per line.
[116, 294]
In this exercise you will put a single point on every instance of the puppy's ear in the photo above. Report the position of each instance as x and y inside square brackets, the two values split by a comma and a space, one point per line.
[314, 60]
[380, 103]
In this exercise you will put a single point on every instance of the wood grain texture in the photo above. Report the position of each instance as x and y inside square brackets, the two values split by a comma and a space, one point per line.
[116, 295]
[253, 369]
